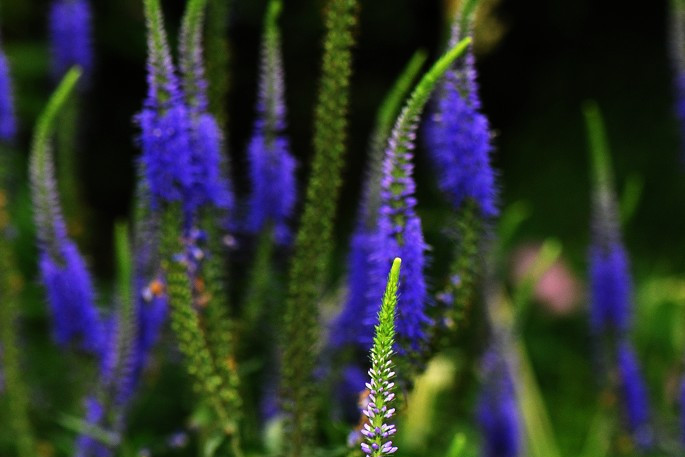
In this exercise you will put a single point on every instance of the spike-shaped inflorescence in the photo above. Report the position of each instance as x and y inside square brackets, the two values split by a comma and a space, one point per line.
[210, 181]
[68, 284]
[458, 136]
[181, 145]
[8, 122]
[70, 36]
[272, 167]
[313, 242]
[611, 289]
[459, 143]
[498, 415]
[399, 231]
[377, 430]
[118, 374]
[345, 328]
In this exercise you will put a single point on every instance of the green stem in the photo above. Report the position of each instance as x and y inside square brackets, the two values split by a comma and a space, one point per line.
[185, 321]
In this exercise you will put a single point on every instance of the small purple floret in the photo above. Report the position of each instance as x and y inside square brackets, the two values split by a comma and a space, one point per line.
[70, 36]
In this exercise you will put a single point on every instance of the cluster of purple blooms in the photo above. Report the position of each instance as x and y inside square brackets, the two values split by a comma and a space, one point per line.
[458, 137]
[70, 36]
[181, 142]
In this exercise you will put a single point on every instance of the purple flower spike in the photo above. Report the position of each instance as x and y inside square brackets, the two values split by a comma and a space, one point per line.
[611, 288]
[181, 144]
[634, 395]
[71, 298]
[399, 234]
[70, 36]
[8, 122]
[497, 409]
[271, 165]
[458, 139]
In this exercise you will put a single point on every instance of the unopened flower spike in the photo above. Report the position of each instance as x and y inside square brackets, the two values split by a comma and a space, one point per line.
[8, 121]
[345, 328]
[71, 36]
[68, 284]
[377, 428]
[497, 413]
[271, 165]
[399, 231]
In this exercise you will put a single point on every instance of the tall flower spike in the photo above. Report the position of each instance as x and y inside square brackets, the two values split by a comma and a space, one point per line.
[634, 396]
[458, 136]
[399, 231]
[164, 121]
[272, 167]
[210, 183]
[345, 327]
[70, 36]
[610, 282]
[66, 279]
[313, 243]
[8, 122]
[377, 430]
[497, 410]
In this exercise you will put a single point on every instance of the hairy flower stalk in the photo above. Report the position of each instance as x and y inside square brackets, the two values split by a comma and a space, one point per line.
[272, 167]
[65, 277]
[70, 36]
[459, 143]
[379, 410]
[497, 413]
[313, 242]
[611, 285]
[345, 328]
[399, 231]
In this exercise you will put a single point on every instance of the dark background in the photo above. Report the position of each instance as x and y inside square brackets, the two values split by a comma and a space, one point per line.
[549, 57]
